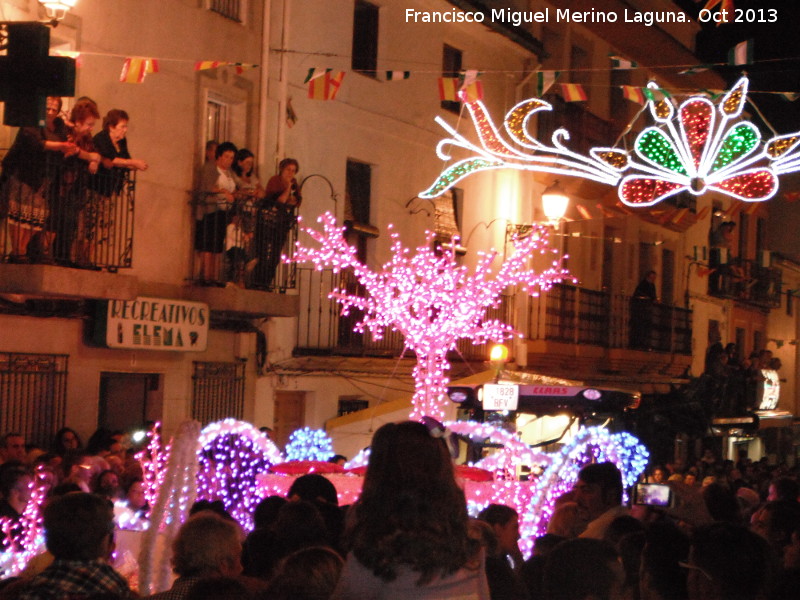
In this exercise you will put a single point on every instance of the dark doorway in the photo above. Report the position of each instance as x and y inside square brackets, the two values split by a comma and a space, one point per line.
[129, 400]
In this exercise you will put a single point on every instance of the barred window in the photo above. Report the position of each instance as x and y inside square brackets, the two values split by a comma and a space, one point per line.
[33, 395]
[218, 391]
[230, 9]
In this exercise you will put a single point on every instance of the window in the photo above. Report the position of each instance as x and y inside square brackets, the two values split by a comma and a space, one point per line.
[218, 391]
[451, 67]
[216, 120]
[230, 9]
[33, 395]
[351, 404]
[358, 194]
[365, 39]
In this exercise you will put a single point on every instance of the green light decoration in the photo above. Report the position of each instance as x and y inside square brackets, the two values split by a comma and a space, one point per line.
[739, 142]
[702, 146]
[655, 147]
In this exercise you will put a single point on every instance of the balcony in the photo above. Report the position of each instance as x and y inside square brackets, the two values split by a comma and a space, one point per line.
[324, 331]
[73, 219]
[746, 281]
[240, 244]
[579, 316]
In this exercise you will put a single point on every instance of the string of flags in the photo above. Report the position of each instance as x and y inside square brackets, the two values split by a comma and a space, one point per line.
[135, 69]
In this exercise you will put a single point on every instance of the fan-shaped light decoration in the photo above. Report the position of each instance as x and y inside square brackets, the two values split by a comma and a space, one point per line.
[695, 147]
[429, 298]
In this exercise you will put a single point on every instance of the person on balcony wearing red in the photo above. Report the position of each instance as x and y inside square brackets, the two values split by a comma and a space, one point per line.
[275, 220]
[24, 186]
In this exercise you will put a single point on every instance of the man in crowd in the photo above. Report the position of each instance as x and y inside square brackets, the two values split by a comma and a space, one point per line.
[79, 533]
[598, 494]
[12, 447]
[207, 545]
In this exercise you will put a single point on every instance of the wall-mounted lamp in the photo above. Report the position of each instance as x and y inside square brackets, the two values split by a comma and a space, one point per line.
[57, 9]
[498, 357]
[554, 202]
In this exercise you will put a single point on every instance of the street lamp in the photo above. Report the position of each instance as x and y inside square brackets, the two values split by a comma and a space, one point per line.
[57, 9]
[554, 202]
[498, 357]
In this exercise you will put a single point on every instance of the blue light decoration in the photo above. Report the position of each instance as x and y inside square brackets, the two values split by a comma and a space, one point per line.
[692, 147]
[309, 444]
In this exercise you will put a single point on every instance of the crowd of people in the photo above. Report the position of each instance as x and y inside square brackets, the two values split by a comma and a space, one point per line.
[731, 533]
[58, 183]
[242, 226]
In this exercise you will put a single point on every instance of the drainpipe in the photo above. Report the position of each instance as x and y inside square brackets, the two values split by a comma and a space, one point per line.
[263, 112]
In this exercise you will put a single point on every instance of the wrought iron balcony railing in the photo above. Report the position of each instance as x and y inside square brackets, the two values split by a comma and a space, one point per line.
[70, 218]
[577, 315]
[746, 281]
[240, 243]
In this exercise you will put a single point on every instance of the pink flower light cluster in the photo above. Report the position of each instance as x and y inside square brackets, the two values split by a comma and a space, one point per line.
[429, 298]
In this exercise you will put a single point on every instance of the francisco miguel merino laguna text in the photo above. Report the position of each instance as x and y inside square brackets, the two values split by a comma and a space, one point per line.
[517, 17]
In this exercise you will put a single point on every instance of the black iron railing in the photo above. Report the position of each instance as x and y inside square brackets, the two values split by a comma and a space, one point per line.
[68, 217]
[230, 9]
[577, 315]
[746, 281]
[323, 330]
[241, 243]
[218, 391]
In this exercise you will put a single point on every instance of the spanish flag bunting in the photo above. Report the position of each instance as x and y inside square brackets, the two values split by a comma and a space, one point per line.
[325, 87]
[633, 93]
[679, 215]
[135, 69]
[202, 65]
[471, 92]
[703, 213]
[573, 92]
[448, 89]
[397, 75]
[584, 212]
[544, 80]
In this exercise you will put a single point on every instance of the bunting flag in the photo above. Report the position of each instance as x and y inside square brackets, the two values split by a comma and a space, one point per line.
[656, 95]
[751, 208]
[397, 75]
[789, 96]
[704, 271]
[135, 69]
[313, 73]
[619, 63]
[468, 78]
[448, 89]
[741, 53]
[791, 196]
[472, 92]
[703, 213]
[606, 212]
[202, 65]
[544, 80]
[633, 93]
[573, 92]
[325, 87]
[679, 215]
[695, 69]
[584, 212]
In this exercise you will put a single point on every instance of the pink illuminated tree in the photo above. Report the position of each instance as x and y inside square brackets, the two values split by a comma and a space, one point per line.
[429, 298]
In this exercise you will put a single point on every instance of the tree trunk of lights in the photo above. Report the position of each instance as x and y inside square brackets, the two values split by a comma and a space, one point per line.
[431, 385]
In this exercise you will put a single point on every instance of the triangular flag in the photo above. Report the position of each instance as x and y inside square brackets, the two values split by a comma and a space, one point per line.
[573, 92]
[133, 70]
[704, 271]
[448, 89]
[397, 75]
[655, 94]
[679, 215]
[202, 65]
[727, 10]
[617, 62]
[741, 53]
[789, 96]
[545, 79]
[633, 93]
[471, 92]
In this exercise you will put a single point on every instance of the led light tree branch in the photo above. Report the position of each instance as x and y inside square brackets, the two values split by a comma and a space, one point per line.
[430, 299]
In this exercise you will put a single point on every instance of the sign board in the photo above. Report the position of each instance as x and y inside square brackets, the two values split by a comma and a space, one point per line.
[154, 324]
[552, 390]
[769, 390]
[500, 396]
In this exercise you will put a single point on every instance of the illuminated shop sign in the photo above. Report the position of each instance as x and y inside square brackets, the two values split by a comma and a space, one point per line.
[769, 390]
